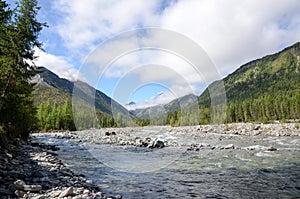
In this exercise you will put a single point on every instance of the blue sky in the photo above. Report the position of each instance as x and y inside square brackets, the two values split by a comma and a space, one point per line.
[231, 33]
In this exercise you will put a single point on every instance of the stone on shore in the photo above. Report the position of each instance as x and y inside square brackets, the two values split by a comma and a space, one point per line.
[67, 192]
[18, 184]
[153, 143]
[35, 172]
[158, 144]
[32, 188]
[271, 149]
[229, 146]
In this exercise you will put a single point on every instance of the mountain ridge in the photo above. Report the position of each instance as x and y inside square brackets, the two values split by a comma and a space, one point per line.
[157, 110]
[50, 87]
[263, 90]
[247, 79]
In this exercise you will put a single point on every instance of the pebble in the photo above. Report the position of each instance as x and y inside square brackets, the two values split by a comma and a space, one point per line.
[230, 146]
[271, 149]
[67, 192]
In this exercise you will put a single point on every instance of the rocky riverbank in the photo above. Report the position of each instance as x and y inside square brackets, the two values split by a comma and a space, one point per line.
[34, 171]
[176, 136]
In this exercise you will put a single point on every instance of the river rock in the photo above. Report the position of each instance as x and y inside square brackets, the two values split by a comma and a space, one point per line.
[115, 197]
[18, 184]
[138, 142]
[86, 191]
[67, 192]
[147, 142]
[32, 188]
[54, 194]
[271, 149]
[158, 144]
[20, 193]
[40, 197]
[21, 185]
[257, 127]
[229, 146]
[8, 155]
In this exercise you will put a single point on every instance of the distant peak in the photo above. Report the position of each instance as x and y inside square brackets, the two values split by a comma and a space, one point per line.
[130, 103]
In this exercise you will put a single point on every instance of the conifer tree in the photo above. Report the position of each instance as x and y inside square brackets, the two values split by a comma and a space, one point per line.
[18, 39]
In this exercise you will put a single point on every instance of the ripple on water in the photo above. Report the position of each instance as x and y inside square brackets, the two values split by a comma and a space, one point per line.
[204, 174]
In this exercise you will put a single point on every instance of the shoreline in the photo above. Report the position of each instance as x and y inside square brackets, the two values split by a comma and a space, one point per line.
[269, 129]
[161, 136]
[34, 171]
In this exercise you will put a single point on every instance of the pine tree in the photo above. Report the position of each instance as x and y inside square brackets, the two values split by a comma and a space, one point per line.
[18, 38]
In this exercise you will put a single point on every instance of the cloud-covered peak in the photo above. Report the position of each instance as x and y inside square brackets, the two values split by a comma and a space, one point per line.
[159, 99]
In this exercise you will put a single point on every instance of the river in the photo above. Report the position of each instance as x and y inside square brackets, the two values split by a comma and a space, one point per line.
[247, 171]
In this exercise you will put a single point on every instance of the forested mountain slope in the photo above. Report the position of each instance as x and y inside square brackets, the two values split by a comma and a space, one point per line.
[263, 90]
[52, 92]
[273, 74]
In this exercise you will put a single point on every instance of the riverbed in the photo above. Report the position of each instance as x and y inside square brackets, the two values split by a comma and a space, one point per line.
[191, 165]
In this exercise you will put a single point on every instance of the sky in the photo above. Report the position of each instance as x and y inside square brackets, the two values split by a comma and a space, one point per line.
[131, 49]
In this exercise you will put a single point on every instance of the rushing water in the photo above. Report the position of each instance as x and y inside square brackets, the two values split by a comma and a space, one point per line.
[174, 172]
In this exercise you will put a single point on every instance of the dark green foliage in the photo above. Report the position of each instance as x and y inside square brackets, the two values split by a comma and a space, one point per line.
[265, 108]
[273, 74]
[18, 38]
[55, 117]
[105, 120]
[42, 93]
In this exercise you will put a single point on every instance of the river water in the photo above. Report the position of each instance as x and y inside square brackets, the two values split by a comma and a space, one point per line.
[175, 172]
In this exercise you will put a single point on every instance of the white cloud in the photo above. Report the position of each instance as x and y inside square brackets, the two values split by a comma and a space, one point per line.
[159, 99]
[166, 62]
[57, 64]
[232, 32]
[86, 22]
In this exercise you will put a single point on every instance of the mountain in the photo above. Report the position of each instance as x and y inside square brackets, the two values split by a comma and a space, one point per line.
[130, 103]
[263, 90]
[271, 75]
[157, 110]
[50, 87]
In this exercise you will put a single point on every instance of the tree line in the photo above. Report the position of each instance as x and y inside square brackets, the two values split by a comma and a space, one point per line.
[265, 108]
[53, 116]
